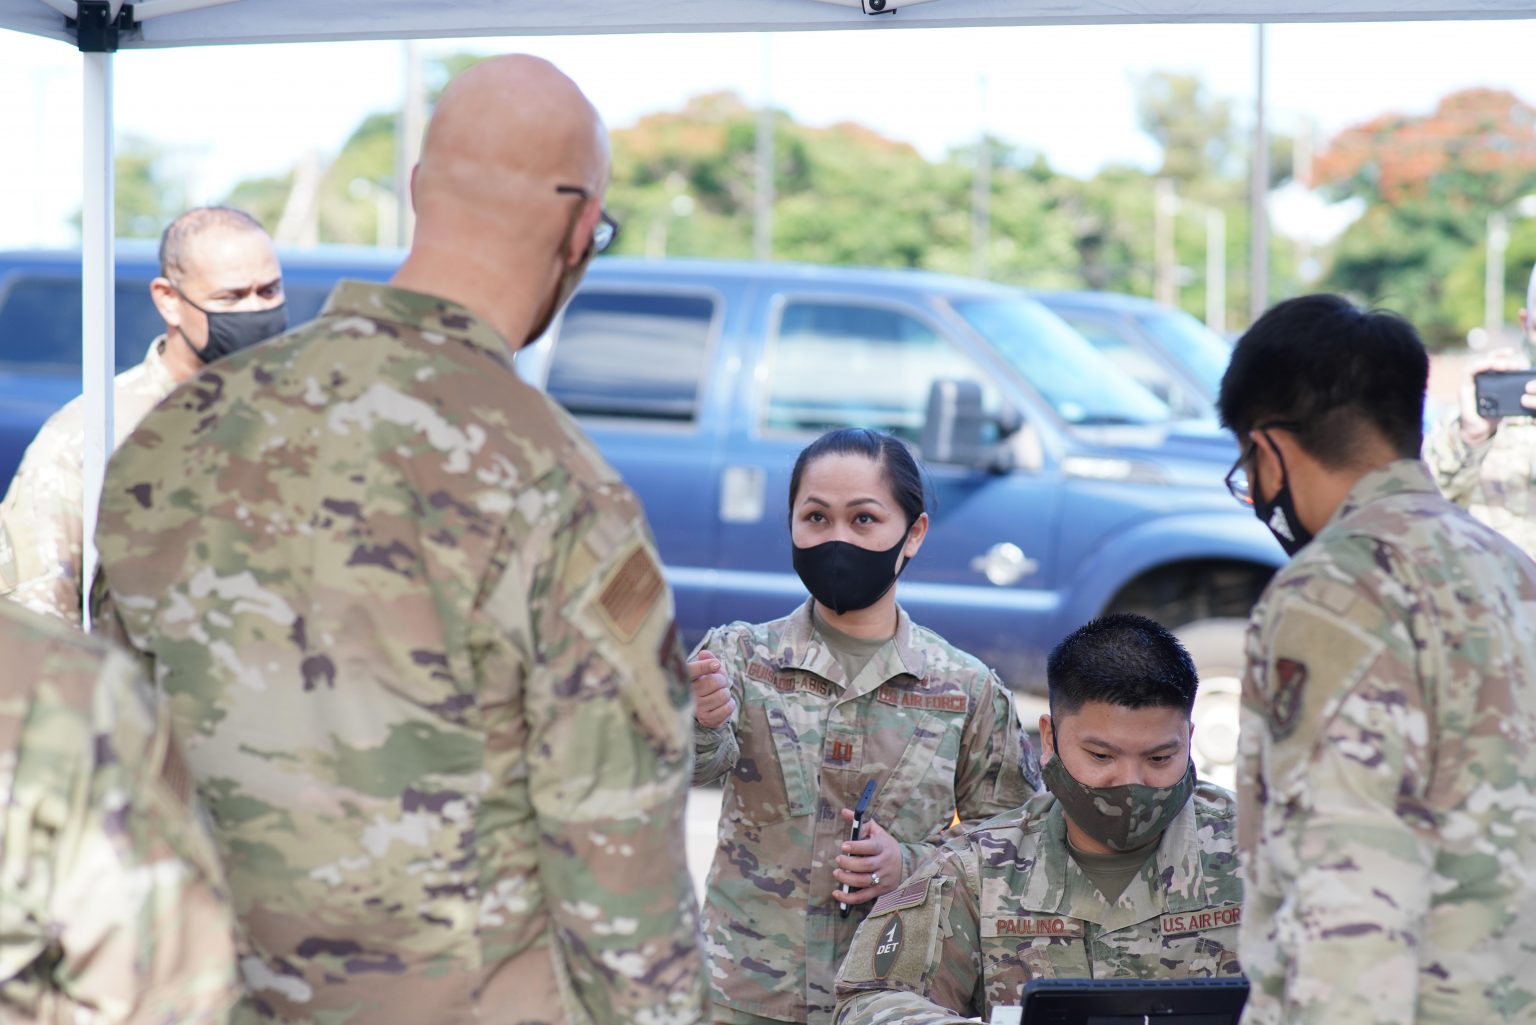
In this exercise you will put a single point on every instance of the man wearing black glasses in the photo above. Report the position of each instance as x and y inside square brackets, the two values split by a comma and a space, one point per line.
[414, 630]
[1387, 775]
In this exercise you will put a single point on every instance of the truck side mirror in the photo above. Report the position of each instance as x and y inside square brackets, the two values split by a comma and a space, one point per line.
[955, 431]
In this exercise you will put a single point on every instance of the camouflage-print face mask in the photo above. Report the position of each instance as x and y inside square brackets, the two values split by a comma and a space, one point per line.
[1121, 818]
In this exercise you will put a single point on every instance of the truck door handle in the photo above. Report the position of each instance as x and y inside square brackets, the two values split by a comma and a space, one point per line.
[1005, 564]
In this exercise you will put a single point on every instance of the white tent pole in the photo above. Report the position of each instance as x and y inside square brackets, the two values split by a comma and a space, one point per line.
[1258, 262]
[97, 292]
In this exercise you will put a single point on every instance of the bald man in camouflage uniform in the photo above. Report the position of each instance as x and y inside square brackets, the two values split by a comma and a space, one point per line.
[414, 629]
[1388, 761]
[214, 262]
[1054, 889]
[112, 907]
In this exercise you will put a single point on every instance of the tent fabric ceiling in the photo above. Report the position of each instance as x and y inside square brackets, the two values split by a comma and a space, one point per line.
[275, 21]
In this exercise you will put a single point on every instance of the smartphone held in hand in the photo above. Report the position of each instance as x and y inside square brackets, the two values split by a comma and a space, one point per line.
[1499, 393]
[860, 810]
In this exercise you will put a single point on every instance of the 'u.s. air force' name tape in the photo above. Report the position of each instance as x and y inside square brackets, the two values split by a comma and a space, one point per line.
[1200, 921]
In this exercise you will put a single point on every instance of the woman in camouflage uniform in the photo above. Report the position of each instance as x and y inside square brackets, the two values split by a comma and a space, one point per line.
[798, 714]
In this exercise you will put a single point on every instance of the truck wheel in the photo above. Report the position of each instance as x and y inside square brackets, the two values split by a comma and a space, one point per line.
[1217, 646]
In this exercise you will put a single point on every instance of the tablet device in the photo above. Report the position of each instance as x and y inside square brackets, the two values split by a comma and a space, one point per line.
[1128, 1002]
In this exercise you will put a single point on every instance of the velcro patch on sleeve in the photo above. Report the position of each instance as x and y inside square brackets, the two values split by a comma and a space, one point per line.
[1316, 660]
[1187, 922]
[630, 592]
[909, 896]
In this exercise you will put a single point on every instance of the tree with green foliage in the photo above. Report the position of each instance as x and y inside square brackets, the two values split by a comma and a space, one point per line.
[147, 195]
[684, 185]
[1430, 181]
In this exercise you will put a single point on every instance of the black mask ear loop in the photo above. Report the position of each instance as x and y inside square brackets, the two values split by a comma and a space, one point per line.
[1279, 513]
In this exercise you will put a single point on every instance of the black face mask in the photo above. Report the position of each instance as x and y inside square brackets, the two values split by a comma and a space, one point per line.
[845, 577]
[1279, 514]
[231, 332]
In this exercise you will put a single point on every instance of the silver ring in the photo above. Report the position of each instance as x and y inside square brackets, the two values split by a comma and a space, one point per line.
[874, 879]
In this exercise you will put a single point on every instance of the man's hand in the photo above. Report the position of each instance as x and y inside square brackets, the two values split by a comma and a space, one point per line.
[1476, 429]
[871, 863]
[713, 704]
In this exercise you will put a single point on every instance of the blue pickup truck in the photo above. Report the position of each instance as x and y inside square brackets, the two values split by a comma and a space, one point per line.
[1065, 489]
[1172, 354]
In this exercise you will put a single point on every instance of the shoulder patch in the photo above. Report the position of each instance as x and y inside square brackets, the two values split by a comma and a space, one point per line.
[630, 592]
[888, 947]
[1290, 679]
[909, 896]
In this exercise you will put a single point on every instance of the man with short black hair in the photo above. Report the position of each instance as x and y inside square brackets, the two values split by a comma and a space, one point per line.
[1126, 868]
[220, 289]
[1389, 704]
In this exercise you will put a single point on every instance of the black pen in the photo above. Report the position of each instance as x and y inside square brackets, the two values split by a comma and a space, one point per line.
[859, 811]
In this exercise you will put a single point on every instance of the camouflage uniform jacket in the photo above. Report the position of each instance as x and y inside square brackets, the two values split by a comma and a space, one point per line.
[112, 904]
[1007, 903]
[1388, 769]
[41, 535]
[422, 657]
[927, 722]
[1495, 480]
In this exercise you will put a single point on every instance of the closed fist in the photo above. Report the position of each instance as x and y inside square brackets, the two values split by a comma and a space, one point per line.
[713, 704]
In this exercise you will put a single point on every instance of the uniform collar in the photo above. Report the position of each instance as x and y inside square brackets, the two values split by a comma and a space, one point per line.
[805, 649]
[156, 367]
[1400, 477]
[418, 311]
[1173, 879]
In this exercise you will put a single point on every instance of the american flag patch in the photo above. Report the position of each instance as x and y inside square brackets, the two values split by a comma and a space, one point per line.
[909, 896]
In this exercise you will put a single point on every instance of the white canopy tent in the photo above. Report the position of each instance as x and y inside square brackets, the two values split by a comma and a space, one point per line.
[179, 23]
[99, 27]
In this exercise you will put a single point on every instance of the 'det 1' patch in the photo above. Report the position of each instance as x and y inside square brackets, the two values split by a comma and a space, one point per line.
[888, 947]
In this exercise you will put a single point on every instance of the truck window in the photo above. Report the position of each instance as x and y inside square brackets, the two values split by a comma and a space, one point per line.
[40, 322]
[1124, 353]
[847, 365]
[631, 354]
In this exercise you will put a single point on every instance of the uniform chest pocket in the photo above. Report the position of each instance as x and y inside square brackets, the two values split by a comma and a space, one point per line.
[917, 750]
[770, 782]
[1017, 948]
[1201, 942]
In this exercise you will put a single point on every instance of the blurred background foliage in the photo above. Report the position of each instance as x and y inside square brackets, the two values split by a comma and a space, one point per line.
[684, 185]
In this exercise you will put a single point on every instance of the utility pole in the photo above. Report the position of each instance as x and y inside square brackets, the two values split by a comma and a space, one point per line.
[1493, 280]
[1216, 270]
[981, 189]
[1165, 205]
[762, 220]
[409, 127]
[1258, 265]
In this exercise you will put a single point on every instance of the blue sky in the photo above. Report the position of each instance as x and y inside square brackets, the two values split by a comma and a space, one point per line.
[231, 112]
